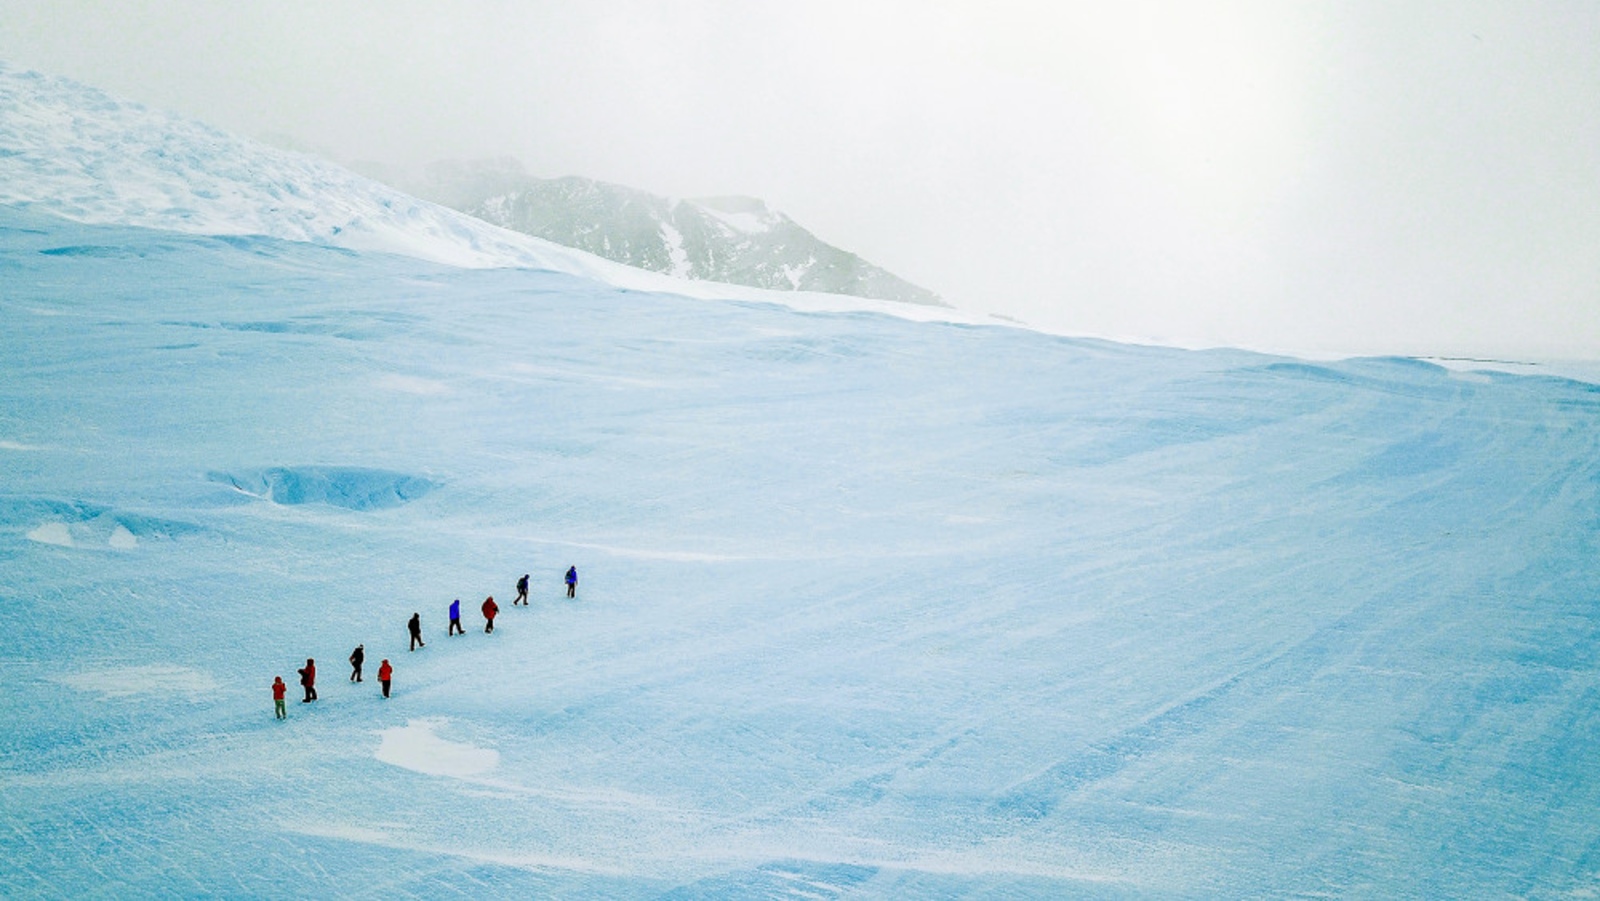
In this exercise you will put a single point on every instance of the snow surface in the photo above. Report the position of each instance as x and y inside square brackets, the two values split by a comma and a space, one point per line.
[869, 607]
[414, 746]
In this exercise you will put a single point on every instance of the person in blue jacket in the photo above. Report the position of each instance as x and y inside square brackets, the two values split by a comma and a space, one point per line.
[455, 618]
[572, 582]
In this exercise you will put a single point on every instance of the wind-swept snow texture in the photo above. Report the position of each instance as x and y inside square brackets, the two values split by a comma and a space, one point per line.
[868, 607]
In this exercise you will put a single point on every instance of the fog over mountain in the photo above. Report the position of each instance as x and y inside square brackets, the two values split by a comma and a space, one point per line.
[75, 151]
[737, 240]
[1368, 178]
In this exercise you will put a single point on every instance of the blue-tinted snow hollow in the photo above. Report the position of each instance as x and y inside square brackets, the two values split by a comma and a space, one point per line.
[350, 487]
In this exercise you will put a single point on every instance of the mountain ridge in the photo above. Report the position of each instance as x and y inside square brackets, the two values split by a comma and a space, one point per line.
[77, 152]
[732, 239]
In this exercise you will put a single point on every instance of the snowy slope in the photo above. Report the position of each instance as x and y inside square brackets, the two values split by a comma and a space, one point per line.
[79, 153]
[870, 607]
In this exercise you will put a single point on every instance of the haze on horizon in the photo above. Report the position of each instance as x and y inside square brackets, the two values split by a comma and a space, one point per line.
[1359, 178]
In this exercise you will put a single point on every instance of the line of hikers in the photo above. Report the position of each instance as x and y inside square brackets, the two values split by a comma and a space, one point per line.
[308, 673]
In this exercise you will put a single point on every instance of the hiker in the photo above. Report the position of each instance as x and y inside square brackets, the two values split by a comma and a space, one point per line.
[308, 680]
[278, 691]
[357, 657]
[572, 582]
[385, 673]
[522, 591]
[490, 608]
[416, 631]
[455, 619]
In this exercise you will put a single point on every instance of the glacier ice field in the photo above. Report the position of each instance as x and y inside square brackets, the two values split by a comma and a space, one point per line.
[867, 607]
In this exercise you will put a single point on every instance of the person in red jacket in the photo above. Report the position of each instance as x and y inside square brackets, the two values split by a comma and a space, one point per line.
[308, 679]
[278, 691]
[385, 673]
[490, 608]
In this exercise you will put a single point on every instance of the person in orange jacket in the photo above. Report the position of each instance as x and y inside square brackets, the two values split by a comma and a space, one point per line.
[385, 673]
[278, 691]
[490, 608]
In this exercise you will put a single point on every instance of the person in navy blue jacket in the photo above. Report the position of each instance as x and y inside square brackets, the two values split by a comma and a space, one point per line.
[572, 582]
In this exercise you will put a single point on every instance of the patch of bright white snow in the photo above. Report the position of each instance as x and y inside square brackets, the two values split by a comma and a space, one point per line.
[56, 533]
[122, 539]
[414, 746]
[676, 251]
[133, 681]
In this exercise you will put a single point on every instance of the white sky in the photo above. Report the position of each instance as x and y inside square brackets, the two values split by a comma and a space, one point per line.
[1419, 177]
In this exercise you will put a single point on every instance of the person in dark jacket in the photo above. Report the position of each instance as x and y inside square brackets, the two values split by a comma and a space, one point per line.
[416, 631]
[572, 581]
[357, 657]
[490, 608]
[455, 619]
[308, 681]
[522, 591]
[385, 673]
[278, 691]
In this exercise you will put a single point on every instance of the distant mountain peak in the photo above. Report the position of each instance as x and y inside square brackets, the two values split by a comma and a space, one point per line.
[733, 239]
[75, 152]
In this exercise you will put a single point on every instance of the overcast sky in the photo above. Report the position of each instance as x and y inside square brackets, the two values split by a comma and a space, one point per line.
[1409, 177]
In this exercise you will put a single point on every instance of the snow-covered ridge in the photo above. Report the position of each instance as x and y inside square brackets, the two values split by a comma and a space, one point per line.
[77, 152]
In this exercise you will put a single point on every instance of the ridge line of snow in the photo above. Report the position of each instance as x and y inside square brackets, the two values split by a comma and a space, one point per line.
[82, 154]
